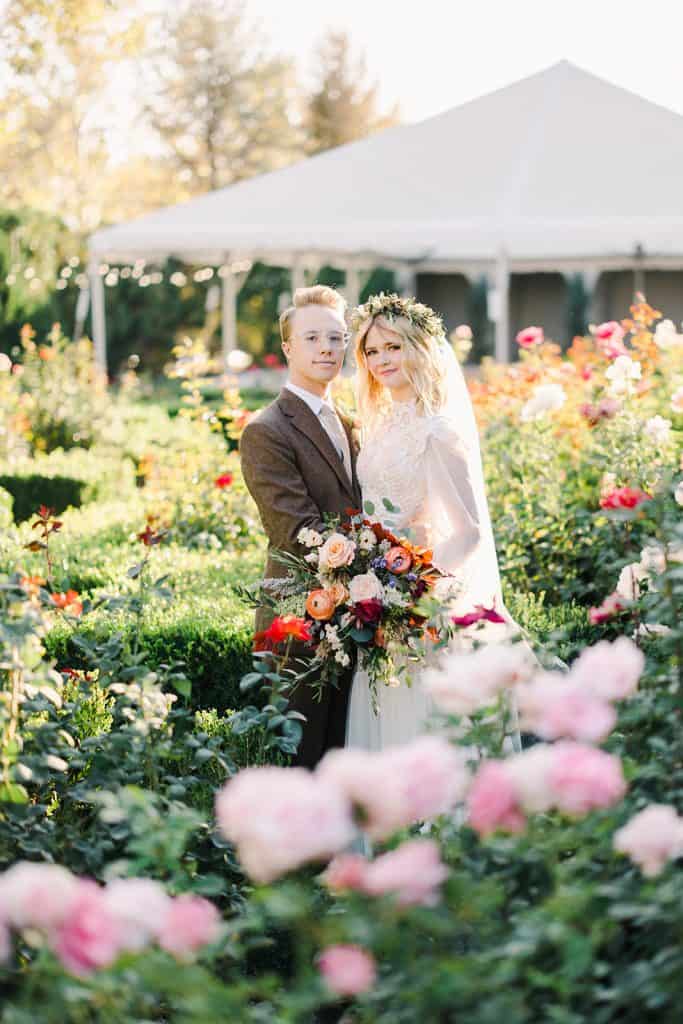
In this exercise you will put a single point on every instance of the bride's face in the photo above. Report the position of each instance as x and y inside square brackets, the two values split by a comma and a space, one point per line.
[384, 359]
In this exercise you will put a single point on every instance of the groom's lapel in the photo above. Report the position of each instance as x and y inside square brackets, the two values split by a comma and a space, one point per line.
[353, 448]
[305, 421]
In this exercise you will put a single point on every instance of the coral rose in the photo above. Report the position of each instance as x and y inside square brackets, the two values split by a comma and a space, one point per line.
[320, 605]
[336, 552]
[398, 560]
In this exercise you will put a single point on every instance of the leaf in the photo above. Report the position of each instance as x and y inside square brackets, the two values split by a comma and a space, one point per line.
[134, 571]
[369, 507]
[13, 793]
[183, 686]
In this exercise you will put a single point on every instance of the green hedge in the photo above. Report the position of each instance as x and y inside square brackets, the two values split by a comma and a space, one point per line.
[62, 480]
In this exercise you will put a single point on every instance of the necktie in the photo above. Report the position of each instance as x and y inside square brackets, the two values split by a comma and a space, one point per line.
[337, 435]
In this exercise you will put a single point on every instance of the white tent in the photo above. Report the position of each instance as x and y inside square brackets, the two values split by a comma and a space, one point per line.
[559, 171]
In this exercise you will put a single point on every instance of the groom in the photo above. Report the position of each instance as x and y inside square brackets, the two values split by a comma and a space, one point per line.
[299, 464]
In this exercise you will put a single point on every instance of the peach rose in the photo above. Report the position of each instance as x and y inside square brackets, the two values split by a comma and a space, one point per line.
[320, 605]
[336, 552]
[398, 560]
[339, 593]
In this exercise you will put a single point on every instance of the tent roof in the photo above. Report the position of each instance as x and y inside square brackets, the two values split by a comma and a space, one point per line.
[561, 164]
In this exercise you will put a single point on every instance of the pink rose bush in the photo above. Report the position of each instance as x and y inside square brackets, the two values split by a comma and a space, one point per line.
[578, 705]
[89, 926]
[347, 970]
[565, 776]
[282, 818]
[412, 873]
[465, 682]
[651, 838]
[398, 786]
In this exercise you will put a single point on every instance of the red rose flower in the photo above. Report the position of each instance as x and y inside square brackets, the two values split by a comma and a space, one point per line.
[225, 480]
[368, 612]
[623, 497]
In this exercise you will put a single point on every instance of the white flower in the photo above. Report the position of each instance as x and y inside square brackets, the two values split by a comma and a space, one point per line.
[653, 558]
[447, 589]
[545, 398]
[666, 335]
[343, 659]
[311, 557]
[629, 578]
[332, 636]
[365, 587]
[621, 374]
[678, 493]
[366, 539]
[309, 538]
[650, 629]
[657, 429]
[394, 598]
[5, 363]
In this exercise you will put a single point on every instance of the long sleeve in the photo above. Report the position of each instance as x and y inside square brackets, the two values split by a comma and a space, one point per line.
[451, 507]
[274, 481]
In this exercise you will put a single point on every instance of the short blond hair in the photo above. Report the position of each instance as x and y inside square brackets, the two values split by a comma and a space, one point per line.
[316, 295]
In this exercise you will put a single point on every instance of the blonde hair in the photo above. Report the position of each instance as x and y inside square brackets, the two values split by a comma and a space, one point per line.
[423, 365]
[316, 295]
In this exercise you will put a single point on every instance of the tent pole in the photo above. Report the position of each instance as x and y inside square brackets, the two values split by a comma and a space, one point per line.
[228, 315]
[502, 311]
[99, 329]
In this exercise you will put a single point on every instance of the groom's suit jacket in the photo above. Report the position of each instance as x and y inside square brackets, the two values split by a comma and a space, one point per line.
[296, 477]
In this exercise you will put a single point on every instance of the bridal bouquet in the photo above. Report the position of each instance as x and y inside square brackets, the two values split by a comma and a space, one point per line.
[359, 595]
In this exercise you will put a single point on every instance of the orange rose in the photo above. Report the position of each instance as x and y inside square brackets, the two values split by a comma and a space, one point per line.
[398, 560]
[320, 605]
[339, 592]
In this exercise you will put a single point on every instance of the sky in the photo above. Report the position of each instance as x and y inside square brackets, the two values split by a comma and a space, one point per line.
[431, 55]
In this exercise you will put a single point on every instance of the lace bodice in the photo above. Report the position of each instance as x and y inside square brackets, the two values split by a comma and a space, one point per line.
[389, 465]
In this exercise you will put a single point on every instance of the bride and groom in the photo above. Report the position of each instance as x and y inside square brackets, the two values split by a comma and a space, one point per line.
[419, 450]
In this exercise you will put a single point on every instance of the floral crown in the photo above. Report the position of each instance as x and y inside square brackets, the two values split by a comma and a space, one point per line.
[393, 307]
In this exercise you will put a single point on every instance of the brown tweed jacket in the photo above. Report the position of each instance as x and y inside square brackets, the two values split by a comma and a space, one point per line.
[294, 475]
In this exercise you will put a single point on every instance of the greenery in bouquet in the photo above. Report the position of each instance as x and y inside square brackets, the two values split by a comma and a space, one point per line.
[360, 592]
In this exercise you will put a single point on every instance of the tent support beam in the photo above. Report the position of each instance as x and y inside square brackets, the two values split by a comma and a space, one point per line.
[99, 329]
[501, 312]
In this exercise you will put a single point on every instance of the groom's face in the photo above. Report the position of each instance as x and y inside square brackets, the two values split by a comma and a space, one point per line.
[315, 350]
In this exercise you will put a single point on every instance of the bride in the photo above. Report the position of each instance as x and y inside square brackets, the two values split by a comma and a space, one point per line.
[420, 450]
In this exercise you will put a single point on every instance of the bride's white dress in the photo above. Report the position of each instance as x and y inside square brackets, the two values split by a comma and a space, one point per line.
[421, 465]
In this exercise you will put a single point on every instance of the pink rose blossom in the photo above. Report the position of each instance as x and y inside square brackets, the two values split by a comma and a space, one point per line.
[412, 873]
[529, 773]
[191, 923]
[141, 906]
[611, 606]
[530, 337]
[37, 895]
[347, 970]
[466, 682]
[610, 339]
[610, 670]
[400, 785]
[584, 778]
[336, 552]
[553, 705]
[91, 936]
[347, 871]
[492, 801]
[651, 838]
[281, 818]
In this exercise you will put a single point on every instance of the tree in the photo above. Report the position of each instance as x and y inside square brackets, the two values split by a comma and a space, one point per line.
[343, 106]
[221, 108]
[58, 58]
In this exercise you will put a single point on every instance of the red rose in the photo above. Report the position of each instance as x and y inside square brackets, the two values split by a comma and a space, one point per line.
[369, 612]
[224, 480]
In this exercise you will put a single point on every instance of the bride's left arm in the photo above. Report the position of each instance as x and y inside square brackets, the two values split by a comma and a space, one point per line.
[451, 504]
